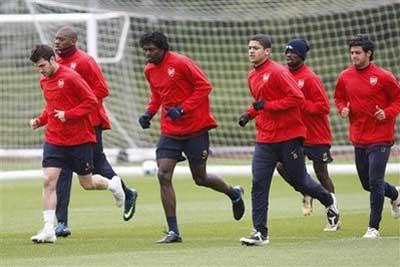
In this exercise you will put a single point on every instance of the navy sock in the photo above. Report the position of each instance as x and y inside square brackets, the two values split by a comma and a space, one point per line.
[172, 224]
[234, 194]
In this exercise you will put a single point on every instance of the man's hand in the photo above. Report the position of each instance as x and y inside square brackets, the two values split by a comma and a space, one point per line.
[379, 114]
[59, 114]
[34, 124]
[175, 112]
[344, 113]
[259, 105]
[145, 119]
[244, 119]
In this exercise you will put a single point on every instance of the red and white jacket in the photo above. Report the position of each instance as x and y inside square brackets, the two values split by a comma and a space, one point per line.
[364, 90]
[178, 81]
[280, 120]
[67, 91]
[315, 110]
[91, 72]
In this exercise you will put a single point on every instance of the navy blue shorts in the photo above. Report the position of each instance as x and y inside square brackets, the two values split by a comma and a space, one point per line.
[320, 153]
[196, 148]
[78, 158]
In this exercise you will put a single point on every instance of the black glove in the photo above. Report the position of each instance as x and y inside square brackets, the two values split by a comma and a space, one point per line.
[258, 105]
[244, 119]
[145, 119]
[175, 112]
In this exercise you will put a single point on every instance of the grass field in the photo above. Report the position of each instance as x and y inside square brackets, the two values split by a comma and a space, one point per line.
[211, 237]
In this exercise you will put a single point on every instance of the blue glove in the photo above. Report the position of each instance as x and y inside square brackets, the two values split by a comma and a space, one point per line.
[258, 105]
[145, 119]
[174, 113]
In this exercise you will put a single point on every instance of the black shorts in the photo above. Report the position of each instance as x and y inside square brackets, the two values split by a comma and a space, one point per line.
[78, 158]
[320, 153]
[195, 148]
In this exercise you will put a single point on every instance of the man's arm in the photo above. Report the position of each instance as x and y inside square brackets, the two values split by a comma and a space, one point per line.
[202, 87]
[392, 90]
[319, 102]
[341, 98]
[155, 99]
[92, 74]
[39, 121]
[86, 96]
[293, 96]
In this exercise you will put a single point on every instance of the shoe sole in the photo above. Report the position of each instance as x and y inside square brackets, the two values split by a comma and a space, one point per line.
[161, 242]
[333, 229]
[63, 234]
[255, 244]
[36, 241]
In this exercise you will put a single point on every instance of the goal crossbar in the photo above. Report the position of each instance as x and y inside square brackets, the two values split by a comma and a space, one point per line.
[91, 24]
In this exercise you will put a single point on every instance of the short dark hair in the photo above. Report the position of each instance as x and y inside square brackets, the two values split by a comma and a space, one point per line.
[365, 42]
[41, 51]
[157, 38]
[264, 39]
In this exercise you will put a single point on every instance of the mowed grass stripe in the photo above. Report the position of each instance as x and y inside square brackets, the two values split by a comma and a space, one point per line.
[211, 236]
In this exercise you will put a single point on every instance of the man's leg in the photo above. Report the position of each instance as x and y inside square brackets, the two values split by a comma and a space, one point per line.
[306, 201]
[63, 196]
[321, 171]
[294, 163]
[282, 172]
[293, 160]
[363, 171]
[377, 158]
[49, 200]
[196, 149]
[166, 168]
[263, 166]
[104, 168]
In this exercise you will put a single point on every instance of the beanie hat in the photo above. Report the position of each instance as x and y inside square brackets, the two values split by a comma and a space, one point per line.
[298, 46]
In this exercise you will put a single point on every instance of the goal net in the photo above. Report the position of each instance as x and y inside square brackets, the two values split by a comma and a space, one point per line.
[213, 33]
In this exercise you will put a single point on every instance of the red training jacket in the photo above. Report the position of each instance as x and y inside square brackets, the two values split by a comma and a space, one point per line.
[364, 90]
[66, 90]
[315, 110]
[178, 81]
[90, 71]
[280, 120]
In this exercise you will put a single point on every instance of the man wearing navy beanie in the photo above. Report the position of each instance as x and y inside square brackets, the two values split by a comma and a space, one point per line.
[315, 117]
[298, 46]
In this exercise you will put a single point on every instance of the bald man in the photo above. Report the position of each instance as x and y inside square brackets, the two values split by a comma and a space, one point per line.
[69, 55]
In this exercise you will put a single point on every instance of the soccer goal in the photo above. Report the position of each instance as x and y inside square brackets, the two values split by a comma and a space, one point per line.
[214, 34]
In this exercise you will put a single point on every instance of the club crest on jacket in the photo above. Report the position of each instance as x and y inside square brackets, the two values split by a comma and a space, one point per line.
[265, 77]
[373, 80]
[60, 83]
[171, 72]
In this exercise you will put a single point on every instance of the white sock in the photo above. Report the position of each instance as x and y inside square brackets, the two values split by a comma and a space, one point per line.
[48, 217]
[111, 185]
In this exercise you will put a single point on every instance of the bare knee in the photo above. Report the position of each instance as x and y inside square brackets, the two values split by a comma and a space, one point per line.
[200, 180]
[49, 182]
[164, 177]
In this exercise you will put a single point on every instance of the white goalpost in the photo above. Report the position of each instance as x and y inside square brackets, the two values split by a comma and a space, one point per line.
[214, 34]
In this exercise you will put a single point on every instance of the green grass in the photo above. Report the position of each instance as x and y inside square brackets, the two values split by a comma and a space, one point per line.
[101, 238]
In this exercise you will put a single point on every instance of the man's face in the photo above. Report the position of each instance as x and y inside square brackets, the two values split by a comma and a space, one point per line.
[293, 60]
[63, 40]
[359, 58]
[152, 53]
[45, 67]
[257, 53]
